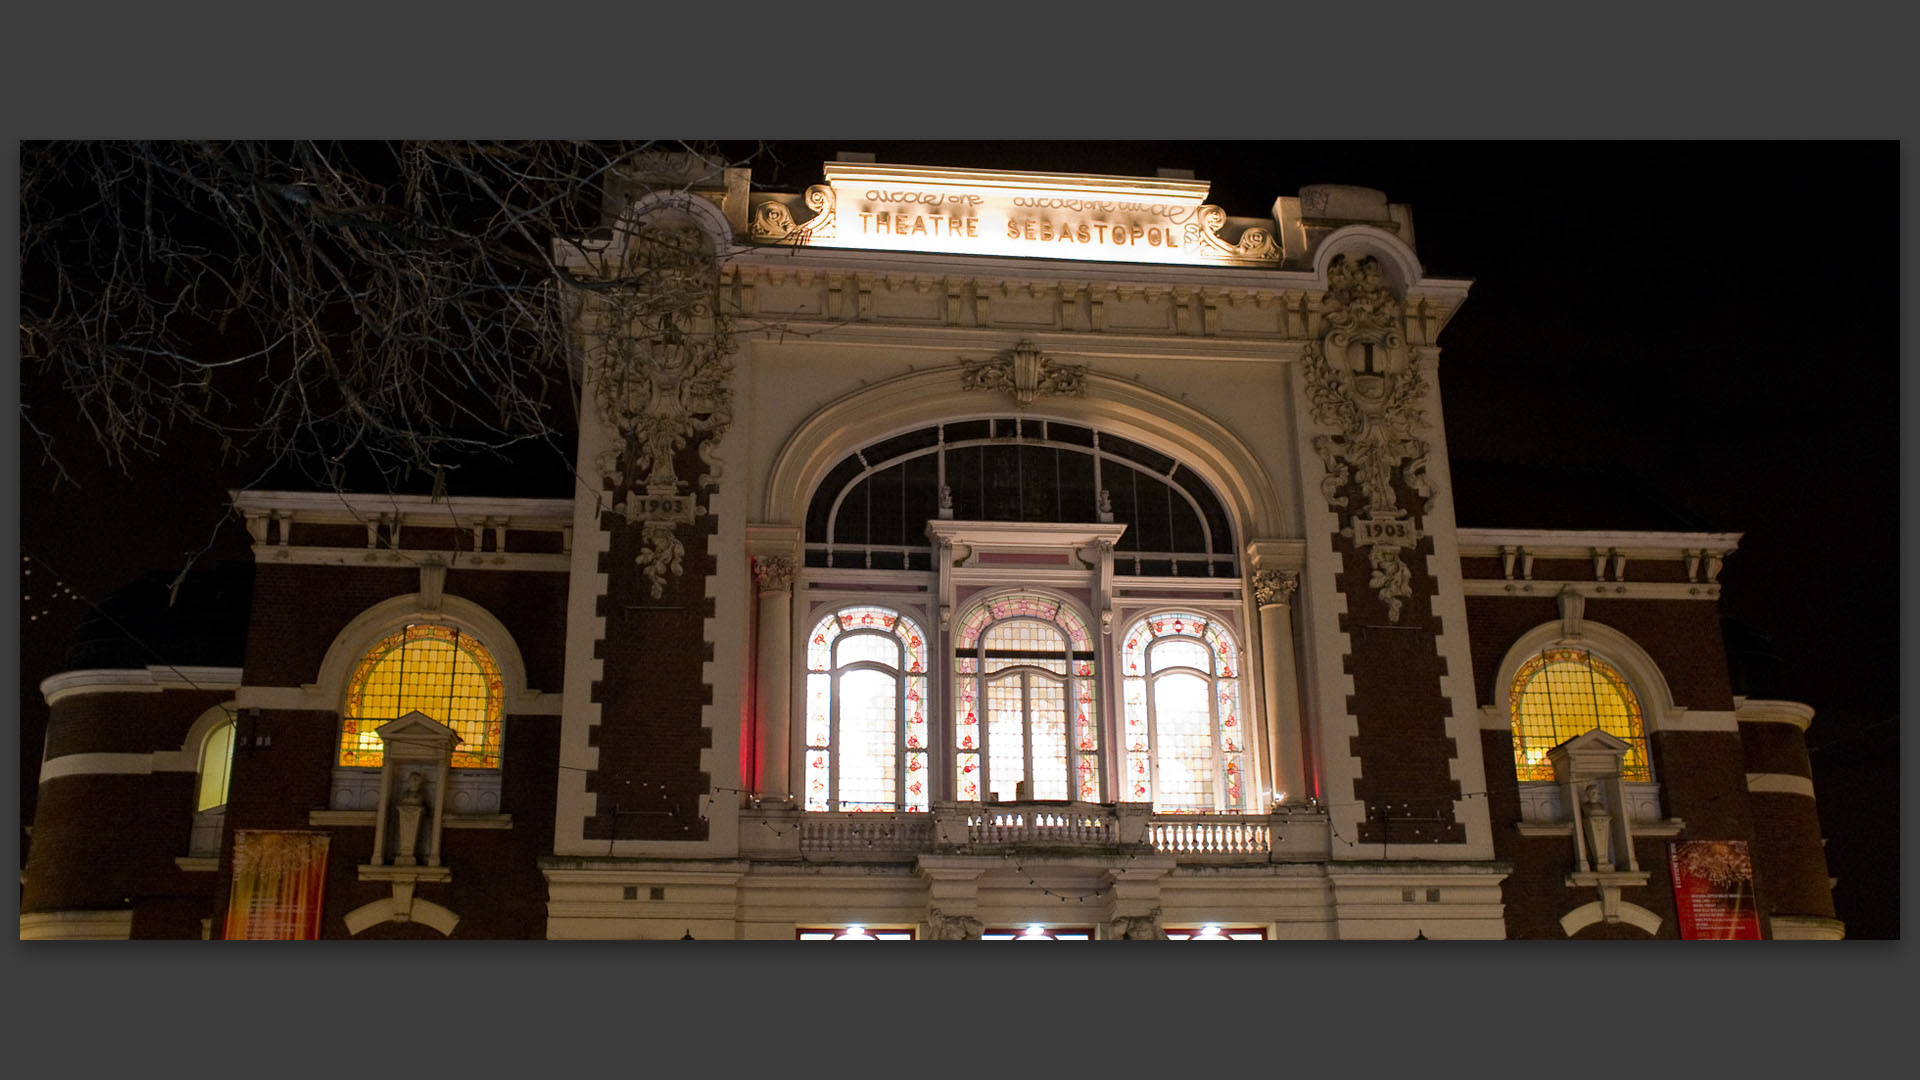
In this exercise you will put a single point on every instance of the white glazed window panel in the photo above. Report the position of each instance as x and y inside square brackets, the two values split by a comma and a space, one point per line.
[1184, 734]
[1180, 652]
[869, 711]
[868, 647]
[1006, 737]
[1047, 702]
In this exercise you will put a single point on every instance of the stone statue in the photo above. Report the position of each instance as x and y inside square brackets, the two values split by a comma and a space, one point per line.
[415, 793]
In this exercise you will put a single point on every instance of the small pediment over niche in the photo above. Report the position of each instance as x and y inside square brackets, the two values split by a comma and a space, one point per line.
[417, 729]
[1588, 757]
[1594, 740]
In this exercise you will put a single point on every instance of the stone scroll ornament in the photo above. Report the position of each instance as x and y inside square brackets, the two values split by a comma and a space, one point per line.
[1367, 386]
[774, 223]
[1024, 373]
[664, 380]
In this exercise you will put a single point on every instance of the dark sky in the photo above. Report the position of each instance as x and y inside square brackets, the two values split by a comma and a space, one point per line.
[1720, 318]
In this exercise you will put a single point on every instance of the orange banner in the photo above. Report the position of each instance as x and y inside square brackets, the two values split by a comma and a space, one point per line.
[278, 881]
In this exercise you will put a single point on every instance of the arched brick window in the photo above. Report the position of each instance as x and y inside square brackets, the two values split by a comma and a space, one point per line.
[1564, 691]
[439, 670]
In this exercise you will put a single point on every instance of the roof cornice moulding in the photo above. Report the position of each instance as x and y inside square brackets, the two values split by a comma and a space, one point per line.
[149, 680]
[329, 506]
[1574, 543]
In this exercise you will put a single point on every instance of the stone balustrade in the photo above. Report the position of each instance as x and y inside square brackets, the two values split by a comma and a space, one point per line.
[778, 830]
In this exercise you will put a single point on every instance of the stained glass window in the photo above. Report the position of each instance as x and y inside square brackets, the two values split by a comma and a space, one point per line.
[1185, 735]
[1560, 693]
[866, 721]
[438, 670]
[1028, 659]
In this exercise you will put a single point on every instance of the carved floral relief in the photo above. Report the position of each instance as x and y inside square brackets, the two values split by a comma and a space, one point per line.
[662, 380]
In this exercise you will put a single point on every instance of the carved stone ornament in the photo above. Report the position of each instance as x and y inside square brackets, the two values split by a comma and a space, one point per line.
[1137, 928]
[1367, 386]
[1024, 373]
[1203, 234]
[946, 927]
[1274, 586]
[773, 573]
[773, 222]
[662, 378]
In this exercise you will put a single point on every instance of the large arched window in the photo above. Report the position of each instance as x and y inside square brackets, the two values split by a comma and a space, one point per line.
[1026, 662]
[1184, 737]
[438, 670]
[866, 712]
[1561, 692]
[871, 510]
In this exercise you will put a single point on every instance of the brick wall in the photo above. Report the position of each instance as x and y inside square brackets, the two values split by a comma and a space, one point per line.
[298, 611]
[126, 723]
[652, 693]
[1682, 636]
[1399, 711]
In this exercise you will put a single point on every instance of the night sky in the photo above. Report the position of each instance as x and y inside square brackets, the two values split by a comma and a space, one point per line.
[1718, 319]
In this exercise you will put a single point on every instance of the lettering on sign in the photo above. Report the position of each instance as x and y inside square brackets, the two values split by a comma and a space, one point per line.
[980, 212]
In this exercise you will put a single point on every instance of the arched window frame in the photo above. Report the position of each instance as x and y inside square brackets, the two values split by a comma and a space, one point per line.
[1142, 747]
[1624, 655]
[971, 741]
[211, 741]
[826, 764]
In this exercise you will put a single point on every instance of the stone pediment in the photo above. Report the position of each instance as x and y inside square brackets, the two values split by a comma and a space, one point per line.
[417, 730]
[1589, 756]
[1595, 740]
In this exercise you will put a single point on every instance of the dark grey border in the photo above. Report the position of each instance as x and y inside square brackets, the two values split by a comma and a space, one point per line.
[1271, 72]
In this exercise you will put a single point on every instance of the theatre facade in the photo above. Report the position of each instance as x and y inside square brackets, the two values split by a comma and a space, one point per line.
[956, 554]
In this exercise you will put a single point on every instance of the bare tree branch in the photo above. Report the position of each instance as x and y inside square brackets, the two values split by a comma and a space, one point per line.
[311, 301]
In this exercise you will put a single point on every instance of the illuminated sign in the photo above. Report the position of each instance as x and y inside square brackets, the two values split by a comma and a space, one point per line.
[1025, 215]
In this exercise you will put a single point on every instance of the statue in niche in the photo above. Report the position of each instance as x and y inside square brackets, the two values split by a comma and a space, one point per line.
[408, 810]
[1593, 810]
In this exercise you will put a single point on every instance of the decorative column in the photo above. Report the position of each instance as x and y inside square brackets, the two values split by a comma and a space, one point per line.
[773, 676]
[1273, 593]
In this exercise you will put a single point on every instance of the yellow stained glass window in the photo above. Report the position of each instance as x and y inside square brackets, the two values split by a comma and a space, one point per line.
[437, 670]
[1561, 693]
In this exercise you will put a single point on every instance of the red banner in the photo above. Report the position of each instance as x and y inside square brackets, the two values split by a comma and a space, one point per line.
[1713, 888]
[278, 881]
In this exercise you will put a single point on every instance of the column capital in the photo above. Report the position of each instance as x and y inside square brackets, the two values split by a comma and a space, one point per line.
[1275, 587]
[773, 573]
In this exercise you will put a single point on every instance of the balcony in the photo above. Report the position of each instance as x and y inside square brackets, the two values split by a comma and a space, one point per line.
[1290, 834]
